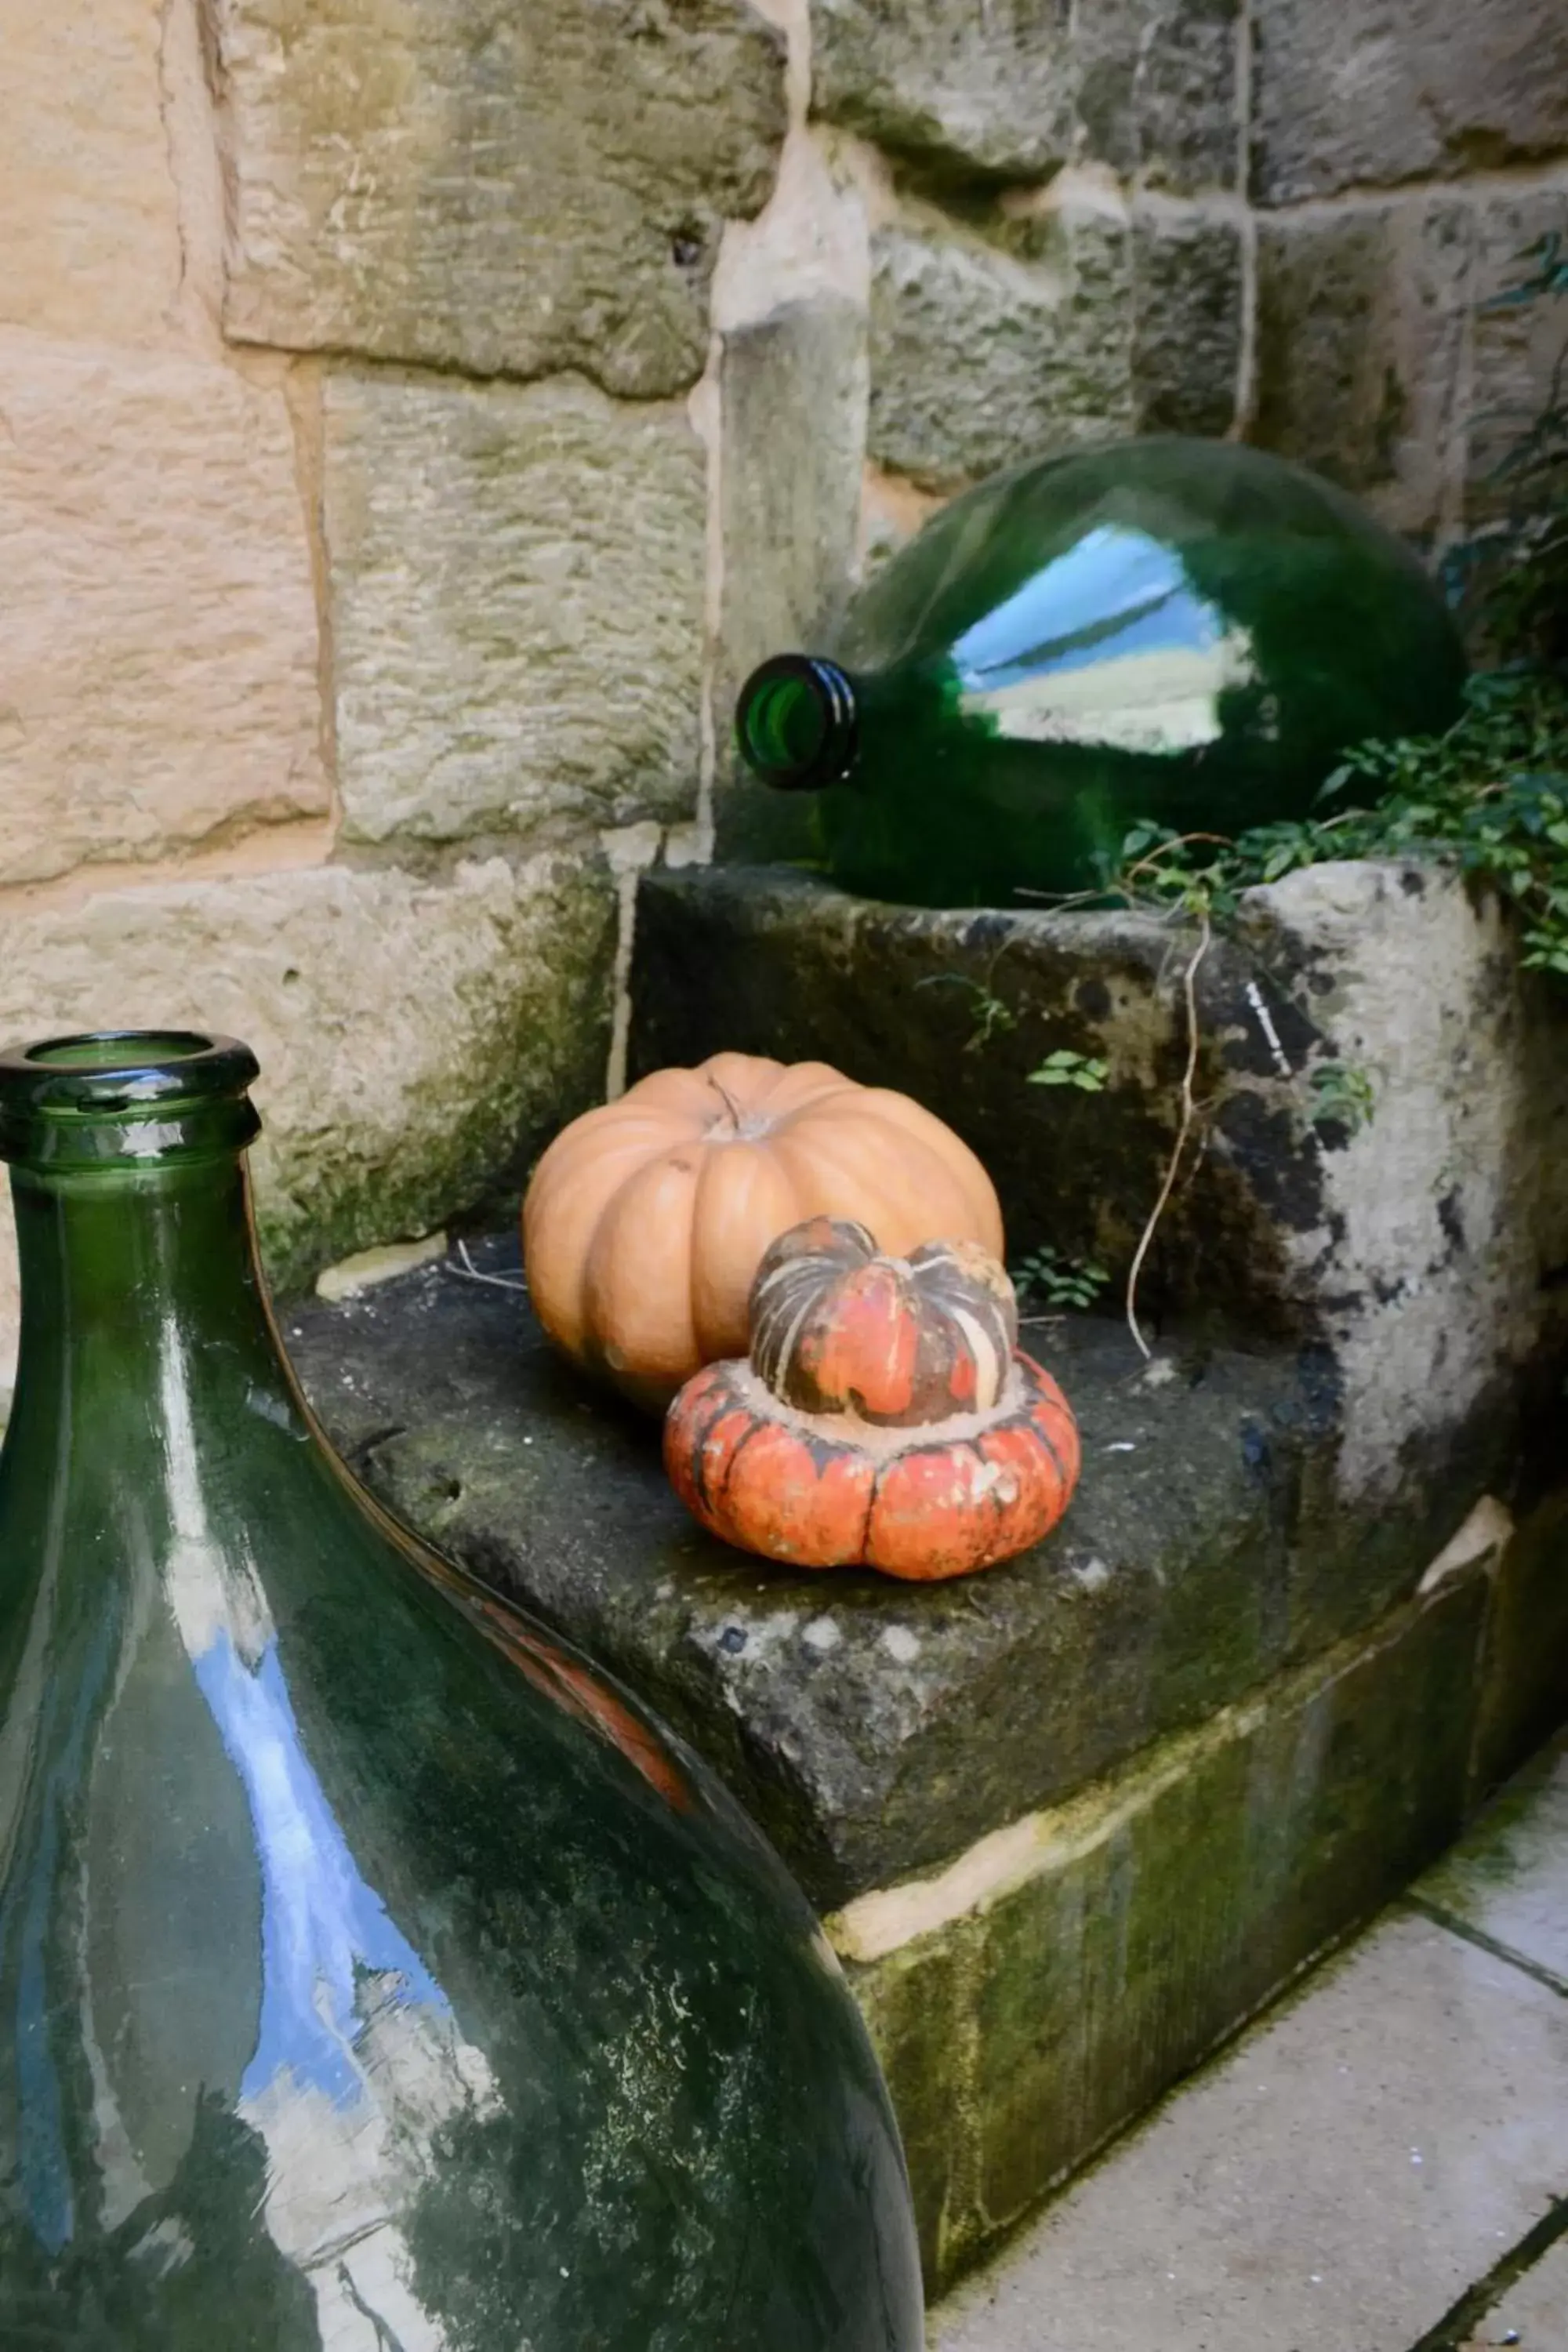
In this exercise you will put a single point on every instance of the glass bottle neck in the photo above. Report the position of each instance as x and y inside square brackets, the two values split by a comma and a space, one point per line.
[797, 723]
[134, 1281]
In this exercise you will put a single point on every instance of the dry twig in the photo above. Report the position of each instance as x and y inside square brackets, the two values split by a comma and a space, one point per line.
[1189, 1113]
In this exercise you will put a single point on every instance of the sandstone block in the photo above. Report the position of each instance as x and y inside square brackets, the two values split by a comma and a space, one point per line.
[1188, 305]
[793, 391]
[499, 189]
[1157, 91]
[1069, 325]
[960, 92]
[1371, 92]
[1517, 364]
[89, 225]
[1361, 321]
[517, 585]
[949, 84]
[416, 1038]
[981, 357]
[158, 687]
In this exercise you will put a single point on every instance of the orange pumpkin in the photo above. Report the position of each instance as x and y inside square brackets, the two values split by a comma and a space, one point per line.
[647, 1219]
[884, 1416]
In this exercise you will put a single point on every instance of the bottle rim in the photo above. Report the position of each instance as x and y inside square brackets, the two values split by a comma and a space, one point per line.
[796, 723]
[108, 1095]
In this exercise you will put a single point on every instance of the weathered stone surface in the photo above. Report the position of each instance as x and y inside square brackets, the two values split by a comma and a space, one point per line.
[953, 86]
[981, 359]
[416, 1039]
[1374, 91]
[1361, 324]
[1506, 1880]
[1073, 322]
[517, 580]
[1516, 356]
[158, 685]
[1188, 320]
[794, 391]
[1365, 2168]
[963, 92]
[502, 190]
[88, 224]
[874, 1729]
[1525, 1695]
[1411, 1253]
[1158, 95]
[1089, 1957]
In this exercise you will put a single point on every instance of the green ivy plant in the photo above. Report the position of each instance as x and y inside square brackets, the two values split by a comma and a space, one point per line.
[1491, 796]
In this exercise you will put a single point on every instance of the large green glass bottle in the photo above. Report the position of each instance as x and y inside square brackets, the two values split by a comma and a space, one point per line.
[1186, 631]
[374, 1976]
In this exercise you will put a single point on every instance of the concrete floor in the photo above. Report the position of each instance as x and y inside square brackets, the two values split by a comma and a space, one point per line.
[1381, 2165]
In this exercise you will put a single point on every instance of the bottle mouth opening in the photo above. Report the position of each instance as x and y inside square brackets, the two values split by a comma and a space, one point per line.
[794, 722]
[124, 1095]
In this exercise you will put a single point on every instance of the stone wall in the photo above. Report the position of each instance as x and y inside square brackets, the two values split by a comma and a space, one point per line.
[355, 507]
[416, 418]
[1024, 224]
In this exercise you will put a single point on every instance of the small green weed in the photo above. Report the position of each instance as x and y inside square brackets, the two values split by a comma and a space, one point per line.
[991, 1015]
[1063, 1068]
[1341, 1095]
[1053, 1280]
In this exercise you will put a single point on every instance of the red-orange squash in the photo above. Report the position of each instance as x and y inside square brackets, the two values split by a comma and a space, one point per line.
[884, 1416]
[647, 1219]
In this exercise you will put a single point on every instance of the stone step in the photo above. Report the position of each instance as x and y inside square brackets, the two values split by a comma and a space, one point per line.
[1073, 1820]
[1382, 2162]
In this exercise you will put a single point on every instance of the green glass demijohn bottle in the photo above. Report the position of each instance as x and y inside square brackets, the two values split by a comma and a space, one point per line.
[1186, 631]
[374, 1975]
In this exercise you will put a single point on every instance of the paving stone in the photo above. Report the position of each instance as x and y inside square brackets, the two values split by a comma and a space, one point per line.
[1369, 93]
[1508, 1879]
[517, 581]
[1333, 2184]
[499, 189]
[1532, 2317]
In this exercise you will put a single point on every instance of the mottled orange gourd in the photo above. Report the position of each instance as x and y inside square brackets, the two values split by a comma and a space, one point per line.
[647, 1219]
[884, 1416]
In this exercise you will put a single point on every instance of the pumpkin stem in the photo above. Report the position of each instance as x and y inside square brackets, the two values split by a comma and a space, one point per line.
[732, 1107]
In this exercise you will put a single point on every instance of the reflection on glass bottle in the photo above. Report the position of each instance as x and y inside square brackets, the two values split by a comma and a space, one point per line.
[1188, 632]
[357, 1989]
